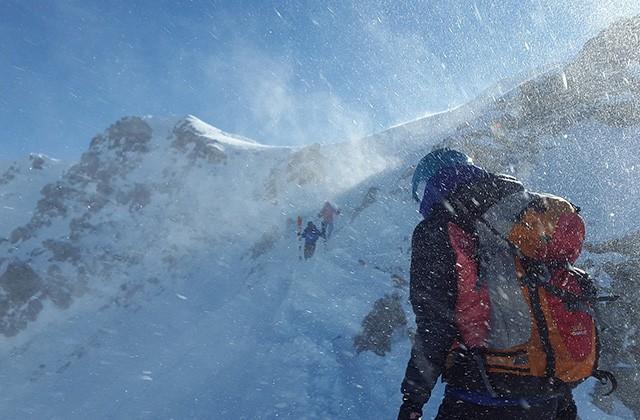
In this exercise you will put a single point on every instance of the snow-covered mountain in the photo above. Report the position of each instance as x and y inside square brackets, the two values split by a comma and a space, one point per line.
[159, 276]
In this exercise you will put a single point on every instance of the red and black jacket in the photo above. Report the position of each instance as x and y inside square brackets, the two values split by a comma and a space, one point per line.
[434, 291]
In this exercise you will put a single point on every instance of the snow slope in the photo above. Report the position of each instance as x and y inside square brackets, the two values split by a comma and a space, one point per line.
[159, 277]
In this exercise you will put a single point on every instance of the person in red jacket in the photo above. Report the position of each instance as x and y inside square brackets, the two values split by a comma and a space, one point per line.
[327, 215]
[457, 194]
[299, 225]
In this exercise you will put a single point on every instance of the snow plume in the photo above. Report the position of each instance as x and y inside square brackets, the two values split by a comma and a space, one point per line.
[295, 112]
[411, 72]
[359, 161]
[170, 257]
[281, 102]
[598, 14]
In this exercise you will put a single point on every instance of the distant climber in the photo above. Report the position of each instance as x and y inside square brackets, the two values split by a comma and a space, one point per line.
[310, 235]
[326, 216]
[299, 225]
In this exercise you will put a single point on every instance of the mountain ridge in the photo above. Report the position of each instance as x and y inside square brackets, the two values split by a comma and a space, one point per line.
[163, 265]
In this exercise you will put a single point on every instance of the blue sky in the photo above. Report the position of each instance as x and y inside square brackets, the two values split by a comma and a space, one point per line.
[281, 72]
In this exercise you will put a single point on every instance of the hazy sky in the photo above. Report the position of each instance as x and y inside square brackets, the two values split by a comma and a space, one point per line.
[281, 72]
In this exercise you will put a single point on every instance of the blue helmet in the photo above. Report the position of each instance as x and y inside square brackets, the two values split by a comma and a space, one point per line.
[433, 163]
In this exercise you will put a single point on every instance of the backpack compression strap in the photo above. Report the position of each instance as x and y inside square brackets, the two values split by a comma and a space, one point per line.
[537, 276]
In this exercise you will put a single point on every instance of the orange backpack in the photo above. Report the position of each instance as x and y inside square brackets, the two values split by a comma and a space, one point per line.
[520, 302]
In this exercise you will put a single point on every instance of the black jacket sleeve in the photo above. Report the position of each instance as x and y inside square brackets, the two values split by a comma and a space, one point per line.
[433, 296]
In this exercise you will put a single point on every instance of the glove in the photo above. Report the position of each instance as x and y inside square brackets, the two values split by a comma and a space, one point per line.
[409, 411]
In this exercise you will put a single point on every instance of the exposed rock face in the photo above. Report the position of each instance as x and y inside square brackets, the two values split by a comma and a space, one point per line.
[197, 146]
[628, 246]
[607, 61]
[88, 185]
[37, 162]
[265, 244]
[98, 180]
[602, 74]
[271, 187]
[20, 282]
[53, 202]
[306, 166]
[620, 320]
[9, 175]
[369, 198]
[378, 328]
[61, 289]
[62, 251]
[130, 134]
[136, 198]
[95, 215]
[602, 83]
[20, 289]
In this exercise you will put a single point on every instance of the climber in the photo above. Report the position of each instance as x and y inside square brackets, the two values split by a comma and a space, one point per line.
[491, 269]
[326, 216]
[310, 235]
